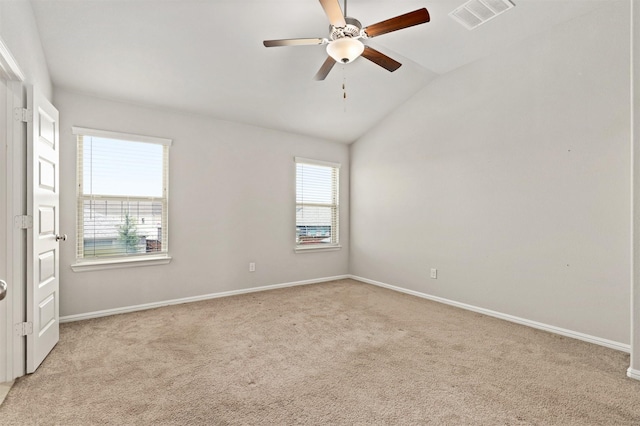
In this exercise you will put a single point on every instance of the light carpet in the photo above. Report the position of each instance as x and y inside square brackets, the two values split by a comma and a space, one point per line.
[342, 352]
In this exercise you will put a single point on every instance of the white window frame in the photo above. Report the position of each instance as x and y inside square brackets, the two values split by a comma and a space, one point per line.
[89, 264]
[299, 248]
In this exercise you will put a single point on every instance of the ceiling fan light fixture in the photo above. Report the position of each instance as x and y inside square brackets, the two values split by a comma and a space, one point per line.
[345, 50]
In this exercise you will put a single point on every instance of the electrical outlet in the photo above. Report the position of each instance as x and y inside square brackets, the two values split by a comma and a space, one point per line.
[434, 273]
[252, 267]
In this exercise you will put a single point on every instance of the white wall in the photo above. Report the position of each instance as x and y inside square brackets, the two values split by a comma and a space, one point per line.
[231, 202]
[512, 177]
[19, 32]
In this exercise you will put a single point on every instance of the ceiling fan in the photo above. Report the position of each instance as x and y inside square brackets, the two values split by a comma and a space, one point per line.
[344, 43]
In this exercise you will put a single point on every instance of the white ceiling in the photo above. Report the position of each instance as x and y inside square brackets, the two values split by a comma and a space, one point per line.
[206, 56]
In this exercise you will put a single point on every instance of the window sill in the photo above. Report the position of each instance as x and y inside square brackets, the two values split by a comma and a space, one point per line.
[96, 265]
[313, 248]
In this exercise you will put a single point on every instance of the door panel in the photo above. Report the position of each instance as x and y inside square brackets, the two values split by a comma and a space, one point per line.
[42, 248]
[46, 220]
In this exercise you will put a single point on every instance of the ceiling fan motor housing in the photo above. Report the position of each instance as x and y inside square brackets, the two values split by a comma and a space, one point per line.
[352, 30]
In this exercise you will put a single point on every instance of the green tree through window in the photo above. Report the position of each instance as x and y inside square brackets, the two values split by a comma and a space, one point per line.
[128, 234]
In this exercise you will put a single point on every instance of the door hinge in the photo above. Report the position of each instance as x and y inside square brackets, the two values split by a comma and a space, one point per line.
[22, 114]
[23, 222]
[23, 328]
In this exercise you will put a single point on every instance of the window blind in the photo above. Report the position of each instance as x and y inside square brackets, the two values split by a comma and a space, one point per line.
[122, 194]
[317, 202]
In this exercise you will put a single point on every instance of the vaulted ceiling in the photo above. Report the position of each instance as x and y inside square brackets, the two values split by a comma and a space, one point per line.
[206, 56]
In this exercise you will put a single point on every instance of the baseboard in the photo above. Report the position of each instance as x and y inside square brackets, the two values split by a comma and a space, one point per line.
[534, 324]
[523, 321]
[127, 309]
[4, 390]
[634, 374]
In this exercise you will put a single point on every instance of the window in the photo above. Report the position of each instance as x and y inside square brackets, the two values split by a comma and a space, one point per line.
[122, 197]
[317, 204]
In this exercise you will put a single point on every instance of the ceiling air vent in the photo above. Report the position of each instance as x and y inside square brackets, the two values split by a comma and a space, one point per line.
[476, 12]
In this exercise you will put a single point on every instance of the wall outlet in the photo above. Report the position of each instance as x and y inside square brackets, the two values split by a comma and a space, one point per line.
[252, 267]
[434, 273]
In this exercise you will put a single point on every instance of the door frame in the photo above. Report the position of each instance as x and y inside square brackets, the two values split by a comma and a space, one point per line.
[15, 239]
[634, 368]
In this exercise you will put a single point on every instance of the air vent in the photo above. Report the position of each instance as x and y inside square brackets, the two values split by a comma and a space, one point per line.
[476, 12]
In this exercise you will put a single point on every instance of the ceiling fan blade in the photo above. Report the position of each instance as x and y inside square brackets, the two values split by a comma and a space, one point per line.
[410, 19]
[293, 42]
[324, 69]
[334, 13]
[381, 59]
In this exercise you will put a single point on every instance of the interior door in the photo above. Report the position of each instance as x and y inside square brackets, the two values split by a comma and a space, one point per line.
[4, 231]
[43, 236]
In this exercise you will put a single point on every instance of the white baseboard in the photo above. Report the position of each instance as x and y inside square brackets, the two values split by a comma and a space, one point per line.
[634, 374]
[541, 326]
[127, 309]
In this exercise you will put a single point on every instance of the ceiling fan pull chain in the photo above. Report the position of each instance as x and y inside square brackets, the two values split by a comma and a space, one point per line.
[344, 89]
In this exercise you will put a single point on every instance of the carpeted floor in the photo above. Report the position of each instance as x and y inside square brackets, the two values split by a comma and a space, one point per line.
[334, 353]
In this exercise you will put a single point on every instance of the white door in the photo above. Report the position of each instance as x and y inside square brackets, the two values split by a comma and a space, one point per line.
[4, 231]
[43, 237]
